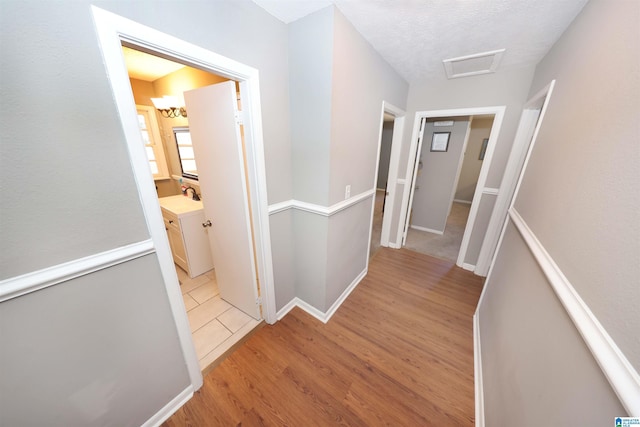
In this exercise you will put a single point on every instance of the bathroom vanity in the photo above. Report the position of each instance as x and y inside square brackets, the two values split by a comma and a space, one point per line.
[183, 218]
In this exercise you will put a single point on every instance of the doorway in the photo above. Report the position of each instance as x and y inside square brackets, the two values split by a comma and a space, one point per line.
[112, 31]
[482, 193]
[449, 165]
[392, 121]
[217, 320]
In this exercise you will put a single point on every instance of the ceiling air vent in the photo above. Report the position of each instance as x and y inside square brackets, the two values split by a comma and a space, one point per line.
[472, 65]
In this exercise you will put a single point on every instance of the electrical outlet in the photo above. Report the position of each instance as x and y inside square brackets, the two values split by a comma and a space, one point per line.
[347, 192]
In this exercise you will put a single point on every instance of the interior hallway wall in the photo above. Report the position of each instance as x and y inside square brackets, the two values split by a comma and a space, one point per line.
[338, 84]
[574, 199]
[508, 88]
[76, 348]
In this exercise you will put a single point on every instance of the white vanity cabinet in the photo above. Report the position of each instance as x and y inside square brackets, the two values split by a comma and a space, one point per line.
[189, 241]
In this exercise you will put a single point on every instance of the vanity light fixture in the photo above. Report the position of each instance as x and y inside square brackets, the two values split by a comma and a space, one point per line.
[169, 107]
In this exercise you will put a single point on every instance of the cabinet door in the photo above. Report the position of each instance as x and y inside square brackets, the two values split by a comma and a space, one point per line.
[175, 241]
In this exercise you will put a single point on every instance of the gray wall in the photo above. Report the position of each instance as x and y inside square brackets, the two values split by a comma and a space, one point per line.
[359, 81]
[436, 178]
[536, 368]
[116, 353]
[471, 165]
[575, 198]
[310, 68]
[98, 350]
[385, 155]
[508, 87]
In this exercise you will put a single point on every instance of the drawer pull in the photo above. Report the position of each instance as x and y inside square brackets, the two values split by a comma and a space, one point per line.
[206, 224]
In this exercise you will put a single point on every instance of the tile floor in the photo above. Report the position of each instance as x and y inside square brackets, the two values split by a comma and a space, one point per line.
[216, 325]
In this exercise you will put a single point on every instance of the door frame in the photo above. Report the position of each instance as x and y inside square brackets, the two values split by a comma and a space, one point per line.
[112, 30]
[412, 169]
[531, 118]
[396, 147]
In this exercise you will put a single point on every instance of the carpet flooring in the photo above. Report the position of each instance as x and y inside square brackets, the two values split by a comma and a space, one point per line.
[444, 246]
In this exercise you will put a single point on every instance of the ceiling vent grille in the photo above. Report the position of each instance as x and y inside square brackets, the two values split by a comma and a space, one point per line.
[472, 65]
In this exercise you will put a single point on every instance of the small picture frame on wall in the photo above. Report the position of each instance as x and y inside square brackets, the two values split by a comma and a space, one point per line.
[440, 142]
[483, 148]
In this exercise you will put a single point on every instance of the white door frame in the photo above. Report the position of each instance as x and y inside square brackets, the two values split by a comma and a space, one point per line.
[412, 170]
[396, 147]
[530, 120]
[112, 30]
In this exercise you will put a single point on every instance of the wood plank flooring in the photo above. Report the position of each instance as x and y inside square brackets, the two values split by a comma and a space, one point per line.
[398, 352]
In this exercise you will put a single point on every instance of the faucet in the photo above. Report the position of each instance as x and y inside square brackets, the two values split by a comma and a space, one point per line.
[194, 196]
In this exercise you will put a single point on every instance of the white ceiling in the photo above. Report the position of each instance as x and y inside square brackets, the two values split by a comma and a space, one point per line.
[415, 36]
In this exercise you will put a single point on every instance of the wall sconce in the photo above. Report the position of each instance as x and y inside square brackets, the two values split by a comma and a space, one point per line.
[169, 107]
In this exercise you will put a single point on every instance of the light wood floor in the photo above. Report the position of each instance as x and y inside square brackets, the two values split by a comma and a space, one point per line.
[398, 352]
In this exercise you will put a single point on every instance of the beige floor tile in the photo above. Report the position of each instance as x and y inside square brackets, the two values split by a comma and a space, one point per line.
[205, 292]
[189, 302]
[218, 351]
[190, 284]
[205, 313]
[209, 337]
[234, 319]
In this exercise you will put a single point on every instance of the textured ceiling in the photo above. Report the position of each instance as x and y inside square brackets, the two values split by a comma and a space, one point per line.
[414, 36]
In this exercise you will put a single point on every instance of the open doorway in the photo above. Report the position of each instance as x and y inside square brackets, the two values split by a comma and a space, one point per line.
[381, 182]
[218, 319]
[112, 31]
[449, 165]
[484, 197]
[385, 179]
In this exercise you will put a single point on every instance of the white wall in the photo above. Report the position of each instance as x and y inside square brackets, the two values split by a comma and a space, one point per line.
[102, 348]
[436, 178]
[575, 198]
[471, 165]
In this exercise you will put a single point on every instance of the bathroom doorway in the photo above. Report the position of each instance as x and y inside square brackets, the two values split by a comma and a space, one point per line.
[113, 31]
[217, 322]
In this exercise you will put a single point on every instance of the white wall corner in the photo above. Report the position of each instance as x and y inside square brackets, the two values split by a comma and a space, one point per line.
[321, 316]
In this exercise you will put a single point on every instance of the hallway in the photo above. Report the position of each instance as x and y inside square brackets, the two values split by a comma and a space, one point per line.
[399, 351]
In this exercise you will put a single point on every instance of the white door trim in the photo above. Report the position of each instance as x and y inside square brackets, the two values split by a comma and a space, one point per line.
[532, 115]
[412, 168]
[396, 147]
[112, 30]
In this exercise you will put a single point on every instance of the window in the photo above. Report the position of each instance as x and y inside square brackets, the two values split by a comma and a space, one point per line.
[185, 152]
[152, 142]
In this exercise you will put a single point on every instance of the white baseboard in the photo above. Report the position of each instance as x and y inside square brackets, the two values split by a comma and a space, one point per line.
[321, 316]
[170, 408]
[394, 245]
[466, 202]
[477, 373]
[428, 230]
[469, 267]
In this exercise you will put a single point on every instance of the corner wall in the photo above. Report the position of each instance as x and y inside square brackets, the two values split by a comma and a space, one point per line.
[574, 201]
